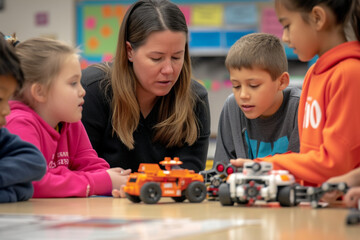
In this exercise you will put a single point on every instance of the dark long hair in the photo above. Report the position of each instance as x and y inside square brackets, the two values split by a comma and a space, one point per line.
[177, 123]
[9, 62]
[344, 10]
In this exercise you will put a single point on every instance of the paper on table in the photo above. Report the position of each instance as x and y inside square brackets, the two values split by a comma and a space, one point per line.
[76, 227]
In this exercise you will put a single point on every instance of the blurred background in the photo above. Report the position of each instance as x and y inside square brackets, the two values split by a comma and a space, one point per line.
[93, 25]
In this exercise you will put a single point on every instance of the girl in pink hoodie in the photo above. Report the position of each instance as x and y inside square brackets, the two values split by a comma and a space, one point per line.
[47, 111]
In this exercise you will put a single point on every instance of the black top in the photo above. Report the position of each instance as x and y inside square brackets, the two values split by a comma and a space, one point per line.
[97, 116]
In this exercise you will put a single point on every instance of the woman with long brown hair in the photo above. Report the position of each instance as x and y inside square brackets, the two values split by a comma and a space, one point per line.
[144, 106]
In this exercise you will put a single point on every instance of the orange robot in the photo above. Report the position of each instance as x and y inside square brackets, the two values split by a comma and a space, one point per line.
[151, 183]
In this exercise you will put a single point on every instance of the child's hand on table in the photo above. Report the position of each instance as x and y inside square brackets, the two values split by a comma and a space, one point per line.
[119, 178]
[239, 162]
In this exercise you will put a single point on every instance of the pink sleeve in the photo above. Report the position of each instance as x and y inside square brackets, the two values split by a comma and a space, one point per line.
[84, 176]
[62, 182]
[82, 154]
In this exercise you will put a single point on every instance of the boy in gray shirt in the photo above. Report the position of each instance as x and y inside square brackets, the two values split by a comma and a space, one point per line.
[260, 117]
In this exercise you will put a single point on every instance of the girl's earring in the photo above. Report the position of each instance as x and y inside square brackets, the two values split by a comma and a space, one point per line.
[130, 59]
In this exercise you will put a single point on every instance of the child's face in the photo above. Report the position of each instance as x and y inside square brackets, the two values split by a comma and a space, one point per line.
[8, 86]
[66, 95]
[255, 92]
[298, 34]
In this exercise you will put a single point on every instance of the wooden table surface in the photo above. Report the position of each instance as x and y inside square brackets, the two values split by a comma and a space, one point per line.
[301, 222]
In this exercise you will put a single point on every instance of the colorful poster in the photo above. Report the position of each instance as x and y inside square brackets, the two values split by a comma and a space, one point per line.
[186, 10]
[99, 28]
[241, 14]
[210, 15]
[270, 23]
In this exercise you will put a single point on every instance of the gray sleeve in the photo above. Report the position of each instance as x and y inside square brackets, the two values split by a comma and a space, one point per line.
[294, 142]
[229, 139]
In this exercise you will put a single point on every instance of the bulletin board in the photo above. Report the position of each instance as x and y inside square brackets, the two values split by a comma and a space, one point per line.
[214, 25]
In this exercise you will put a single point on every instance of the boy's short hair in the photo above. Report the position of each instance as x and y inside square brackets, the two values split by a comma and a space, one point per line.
[9, 62]
[258, 50]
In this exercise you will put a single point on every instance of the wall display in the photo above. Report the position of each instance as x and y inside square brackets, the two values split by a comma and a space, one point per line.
[213, 26]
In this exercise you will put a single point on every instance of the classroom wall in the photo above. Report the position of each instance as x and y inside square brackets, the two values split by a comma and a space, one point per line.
[31, 18]
[20, 16]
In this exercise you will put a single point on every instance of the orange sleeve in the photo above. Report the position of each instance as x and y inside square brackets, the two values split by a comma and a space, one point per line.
[339, 150]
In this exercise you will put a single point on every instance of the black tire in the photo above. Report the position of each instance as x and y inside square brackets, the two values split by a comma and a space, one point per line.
[133, 198]
[242, 202]
[196, 192]
[150, 193]
[179, 199]
[286, 196]
[224, 195]
[353, 218]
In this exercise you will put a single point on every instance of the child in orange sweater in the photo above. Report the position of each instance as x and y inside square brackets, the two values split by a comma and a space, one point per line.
[328, 117]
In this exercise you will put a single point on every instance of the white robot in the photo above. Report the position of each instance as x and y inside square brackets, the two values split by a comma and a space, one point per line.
[258, 182]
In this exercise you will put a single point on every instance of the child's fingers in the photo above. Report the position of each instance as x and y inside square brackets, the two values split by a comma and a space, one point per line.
[119, 193]
[115, 193]
[239, 162]
[125, 172]
[122, 192]
[352, 197]
[331, 196]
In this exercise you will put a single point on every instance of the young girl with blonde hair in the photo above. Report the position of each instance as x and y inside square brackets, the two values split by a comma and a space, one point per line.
[47, 111]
